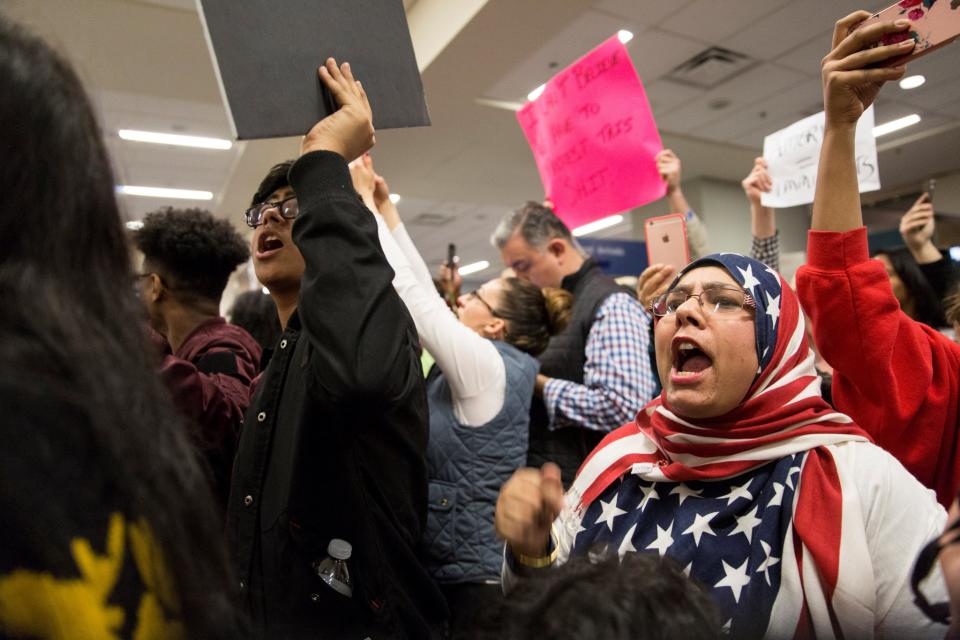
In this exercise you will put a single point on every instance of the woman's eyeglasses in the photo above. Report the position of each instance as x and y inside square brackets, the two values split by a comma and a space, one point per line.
[713, 300]
[288, 208]
[476, 294]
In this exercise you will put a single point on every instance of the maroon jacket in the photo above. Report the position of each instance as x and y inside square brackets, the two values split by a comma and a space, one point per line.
[209, 377]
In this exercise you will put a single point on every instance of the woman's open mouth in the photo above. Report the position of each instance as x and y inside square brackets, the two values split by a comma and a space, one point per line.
[689, 361]
[267, 245]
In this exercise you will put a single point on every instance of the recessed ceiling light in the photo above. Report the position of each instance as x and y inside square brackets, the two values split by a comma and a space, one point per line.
[895, 125]
[394, 198]
[133, 225]
[597, 225]
[533, 95]
[265, 290]
[912, 82]
[474, 267]
[174, 139]
[625, 36]
[160, 192]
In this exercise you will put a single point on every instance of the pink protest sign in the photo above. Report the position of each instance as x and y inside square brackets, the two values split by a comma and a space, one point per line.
[593, 137]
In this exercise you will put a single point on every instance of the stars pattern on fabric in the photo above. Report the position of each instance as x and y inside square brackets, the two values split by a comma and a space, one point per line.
[747, 523]
[736, 578]
[736, 493]
[749, 280]
[649, 493]
[727, 534]
[610, 512]
[701, 526]
[663, 541]
[684, 492]
[768, 561]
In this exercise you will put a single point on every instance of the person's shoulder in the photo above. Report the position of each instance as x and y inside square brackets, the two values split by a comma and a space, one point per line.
[621, 304]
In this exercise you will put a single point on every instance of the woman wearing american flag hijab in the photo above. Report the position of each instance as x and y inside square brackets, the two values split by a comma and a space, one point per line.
[741, 472]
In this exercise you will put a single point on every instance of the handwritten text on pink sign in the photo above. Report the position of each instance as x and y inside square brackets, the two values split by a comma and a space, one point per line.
[594, 138]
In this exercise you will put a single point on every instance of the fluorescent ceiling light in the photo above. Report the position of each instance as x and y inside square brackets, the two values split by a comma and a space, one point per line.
[533, 95]
[158, 192]
[597, 225]
[895, 125]
[174, 139]
[394, 198]
[474, 267]
[912, 82]
[133, 225]
[625, 36]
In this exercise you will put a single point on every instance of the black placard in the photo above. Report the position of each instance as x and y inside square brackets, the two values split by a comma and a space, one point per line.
[267, 52]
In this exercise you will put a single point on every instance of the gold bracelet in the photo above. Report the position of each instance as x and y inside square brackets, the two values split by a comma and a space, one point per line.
[542, 561]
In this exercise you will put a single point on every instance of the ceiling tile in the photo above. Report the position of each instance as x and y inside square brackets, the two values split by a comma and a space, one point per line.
[642, 12]
[665, 95]
[741, 92]
[564, 47]
[715, 20]
[656, 52]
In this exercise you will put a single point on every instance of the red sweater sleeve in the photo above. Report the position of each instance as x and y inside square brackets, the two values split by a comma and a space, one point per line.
[897, 378]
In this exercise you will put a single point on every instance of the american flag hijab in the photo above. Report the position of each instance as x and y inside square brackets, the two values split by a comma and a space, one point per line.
[782, 421]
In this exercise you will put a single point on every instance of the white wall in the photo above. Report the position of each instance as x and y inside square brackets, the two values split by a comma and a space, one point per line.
[724, 210]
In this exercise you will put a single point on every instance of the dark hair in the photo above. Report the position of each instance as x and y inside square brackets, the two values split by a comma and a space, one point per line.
[533, 314]
[195, 252]
[71, 324]
[256, 312]
[275, 179]
[537, 224]
[951, 307]
[927, 308]
[644, 597]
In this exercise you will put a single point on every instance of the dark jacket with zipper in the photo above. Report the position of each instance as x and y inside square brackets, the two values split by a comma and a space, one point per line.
[334, 444]
[564, 358]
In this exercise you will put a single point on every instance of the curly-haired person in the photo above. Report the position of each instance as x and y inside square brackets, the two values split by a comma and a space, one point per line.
[188, 256]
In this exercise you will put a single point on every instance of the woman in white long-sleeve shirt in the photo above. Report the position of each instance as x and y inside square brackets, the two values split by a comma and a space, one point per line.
[479, 397]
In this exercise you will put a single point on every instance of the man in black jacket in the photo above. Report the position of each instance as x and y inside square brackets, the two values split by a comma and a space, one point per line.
[335, 438]
[594, 375]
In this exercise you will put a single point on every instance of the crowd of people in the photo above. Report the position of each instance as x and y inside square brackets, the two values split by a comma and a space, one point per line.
[362, 452]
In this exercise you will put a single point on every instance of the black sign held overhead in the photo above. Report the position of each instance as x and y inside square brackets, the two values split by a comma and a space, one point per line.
[266, 53]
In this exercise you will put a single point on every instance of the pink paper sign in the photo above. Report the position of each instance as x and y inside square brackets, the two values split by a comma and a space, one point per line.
[594, 138]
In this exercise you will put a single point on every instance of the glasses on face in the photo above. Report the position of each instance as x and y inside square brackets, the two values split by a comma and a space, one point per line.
[288, 208]
[713, 300]
[476, 294]
[940, 611]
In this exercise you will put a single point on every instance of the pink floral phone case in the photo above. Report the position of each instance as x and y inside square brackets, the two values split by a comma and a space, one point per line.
[934, 23]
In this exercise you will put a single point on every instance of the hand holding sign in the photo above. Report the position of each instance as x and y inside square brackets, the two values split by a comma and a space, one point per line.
[593, 137]
[757, 183]
[349, 130]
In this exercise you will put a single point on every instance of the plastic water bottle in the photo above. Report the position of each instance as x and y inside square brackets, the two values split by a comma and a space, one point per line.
[333, 569]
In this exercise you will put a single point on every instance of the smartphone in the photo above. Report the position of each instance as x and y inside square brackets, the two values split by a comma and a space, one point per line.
[930, 189]
[667, 240]
[933, 25]
[451, 255]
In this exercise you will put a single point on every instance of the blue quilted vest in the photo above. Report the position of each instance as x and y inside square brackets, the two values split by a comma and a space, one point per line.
[468, 465]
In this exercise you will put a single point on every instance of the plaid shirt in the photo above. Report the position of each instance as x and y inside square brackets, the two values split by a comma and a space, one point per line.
[767, 250]
[617, 376]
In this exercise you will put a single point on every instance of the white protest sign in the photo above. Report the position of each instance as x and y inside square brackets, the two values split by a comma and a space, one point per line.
[793, 156]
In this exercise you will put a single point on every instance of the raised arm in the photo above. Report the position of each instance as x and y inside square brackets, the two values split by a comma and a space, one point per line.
[763, 221]
[362, 336]
[849, 88]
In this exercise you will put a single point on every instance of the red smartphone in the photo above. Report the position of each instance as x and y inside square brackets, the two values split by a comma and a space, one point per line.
[666, 238]
[934, 23]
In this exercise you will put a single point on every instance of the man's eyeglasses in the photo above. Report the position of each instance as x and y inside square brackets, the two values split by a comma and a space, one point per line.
[940, 611]
[287, 208]
[713, 300]
[476, 294]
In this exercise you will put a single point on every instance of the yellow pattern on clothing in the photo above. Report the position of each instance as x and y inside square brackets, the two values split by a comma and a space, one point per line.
[39, 605]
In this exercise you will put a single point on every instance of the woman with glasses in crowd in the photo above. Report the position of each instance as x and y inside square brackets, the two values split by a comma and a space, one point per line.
[479, 395]
[741, 472]
[107, 518]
